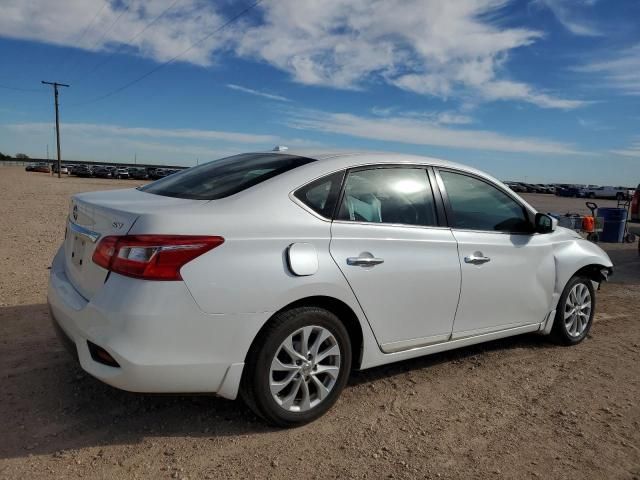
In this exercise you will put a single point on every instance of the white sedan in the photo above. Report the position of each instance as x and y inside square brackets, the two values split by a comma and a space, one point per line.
[273, 275]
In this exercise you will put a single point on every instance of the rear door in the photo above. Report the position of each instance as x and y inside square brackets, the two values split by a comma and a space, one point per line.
[508, 272]
[401, 264]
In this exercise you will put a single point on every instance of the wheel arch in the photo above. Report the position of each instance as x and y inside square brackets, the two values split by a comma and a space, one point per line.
[340, 309]
[596, 272]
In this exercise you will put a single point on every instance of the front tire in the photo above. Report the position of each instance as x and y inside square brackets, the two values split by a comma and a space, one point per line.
[297, 367]
[574, 314]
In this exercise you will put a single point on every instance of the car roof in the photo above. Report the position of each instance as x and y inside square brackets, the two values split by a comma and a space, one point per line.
[370, 156]
[328, 161]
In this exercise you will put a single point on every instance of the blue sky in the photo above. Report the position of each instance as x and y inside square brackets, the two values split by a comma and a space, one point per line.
[536, 90]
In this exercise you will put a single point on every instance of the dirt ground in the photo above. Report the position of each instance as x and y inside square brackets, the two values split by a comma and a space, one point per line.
[515, 408]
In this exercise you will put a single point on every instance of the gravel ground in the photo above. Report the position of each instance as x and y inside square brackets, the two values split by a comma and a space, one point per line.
[515, 408]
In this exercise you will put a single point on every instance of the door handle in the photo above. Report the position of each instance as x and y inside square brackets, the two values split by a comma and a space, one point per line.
[476, 259]
[364, 261]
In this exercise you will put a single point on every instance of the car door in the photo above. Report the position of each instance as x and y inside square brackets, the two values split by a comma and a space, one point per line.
[401, 264]
[508, 271]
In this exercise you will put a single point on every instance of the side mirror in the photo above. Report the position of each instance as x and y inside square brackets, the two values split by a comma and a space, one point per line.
[545, 223]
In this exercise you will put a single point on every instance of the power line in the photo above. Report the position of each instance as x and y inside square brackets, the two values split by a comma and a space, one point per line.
[108, 29]
[128, 42]
[18, 89]
[84, 32]
[171, 60]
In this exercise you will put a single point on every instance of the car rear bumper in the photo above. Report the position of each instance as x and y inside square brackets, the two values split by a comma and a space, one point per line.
[159, 337]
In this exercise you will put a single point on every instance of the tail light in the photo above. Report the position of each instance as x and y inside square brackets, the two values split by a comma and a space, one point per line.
[151, 257]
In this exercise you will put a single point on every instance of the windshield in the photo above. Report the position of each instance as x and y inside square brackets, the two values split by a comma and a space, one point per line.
[224, 177]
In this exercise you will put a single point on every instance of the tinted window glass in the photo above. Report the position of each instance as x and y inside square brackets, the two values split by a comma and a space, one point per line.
[321, 195]
[224, 177]
[477, 205]
[388, 195]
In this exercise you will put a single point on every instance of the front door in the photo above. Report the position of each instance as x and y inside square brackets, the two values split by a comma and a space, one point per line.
[403, 268]
[508, 272]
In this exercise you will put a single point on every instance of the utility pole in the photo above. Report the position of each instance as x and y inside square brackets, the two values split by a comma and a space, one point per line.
[55, 99]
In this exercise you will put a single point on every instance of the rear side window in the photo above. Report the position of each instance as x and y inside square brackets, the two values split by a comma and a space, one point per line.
[478, 205]
[321, 195]
[399, 195]
[225, 177]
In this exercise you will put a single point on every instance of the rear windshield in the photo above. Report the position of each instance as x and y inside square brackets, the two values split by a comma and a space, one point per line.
[225, 177]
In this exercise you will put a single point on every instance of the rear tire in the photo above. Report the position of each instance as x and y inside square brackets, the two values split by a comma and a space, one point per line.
[574, 313]
[297, 367]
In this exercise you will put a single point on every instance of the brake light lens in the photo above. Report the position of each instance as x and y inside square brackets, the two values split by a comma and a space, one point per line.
[151, 257]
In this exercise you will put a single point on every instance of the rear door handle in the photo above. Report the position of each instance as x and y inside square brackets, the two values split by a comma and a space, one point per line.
[476, 259]
[364, 261]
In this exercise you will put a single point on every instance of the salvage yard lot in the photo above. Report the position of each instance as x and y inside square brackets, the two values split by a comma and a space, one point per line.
[515, 408]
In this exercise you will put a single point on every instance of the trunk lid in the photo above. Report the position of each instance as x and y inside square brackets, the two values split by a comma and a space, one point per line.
[95, 215]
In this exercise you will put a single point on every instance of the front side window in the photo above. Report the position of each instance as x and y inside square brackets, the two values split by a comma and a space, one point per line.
[225, 177]
[477, 205]
[388, 195]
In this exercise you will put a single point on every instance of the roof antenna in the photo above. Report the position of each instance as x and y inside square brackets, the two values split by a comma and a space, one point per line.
[280, 148]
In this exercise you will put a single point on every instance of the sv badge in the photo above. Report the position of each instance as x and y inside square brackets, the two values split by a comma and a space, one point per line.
[117, 225]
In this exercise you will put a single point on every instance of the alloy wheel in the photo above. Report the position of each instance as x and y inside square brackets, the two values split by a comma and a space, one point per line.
[577, 310]
[305, 369]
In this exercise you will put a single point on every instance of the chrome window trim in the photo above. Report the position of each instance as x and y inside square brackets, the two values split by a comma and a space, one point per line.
[301, 204]
[382, 224]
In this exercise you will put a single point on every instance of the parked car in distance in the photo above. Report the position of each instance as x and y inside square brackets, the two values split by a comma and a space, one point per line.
[530, 187]
[515, 186]
[81, 171]
[40, 167]
[157, 173]
[64, 169]
[93, 168]
[30, 167]
[617, 193]
[544, 188]
[571, 191]
[273, 275]
[122, 173]
[102, 172]
[138, 173]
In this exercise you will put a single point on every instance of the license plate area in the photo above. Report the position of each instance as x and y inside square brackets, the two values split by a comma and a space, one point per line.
[77, 250]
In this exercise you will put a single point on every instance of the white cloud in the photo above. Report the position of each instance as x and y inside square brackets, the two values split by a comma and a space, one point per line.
[507, 90]
[117, 130]
[444, 118]
[430, 47]
[570, 15]
[632, 150]
[181, 26]
[258, 93]
[421, 132]
[593, 125]
[621, 71]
